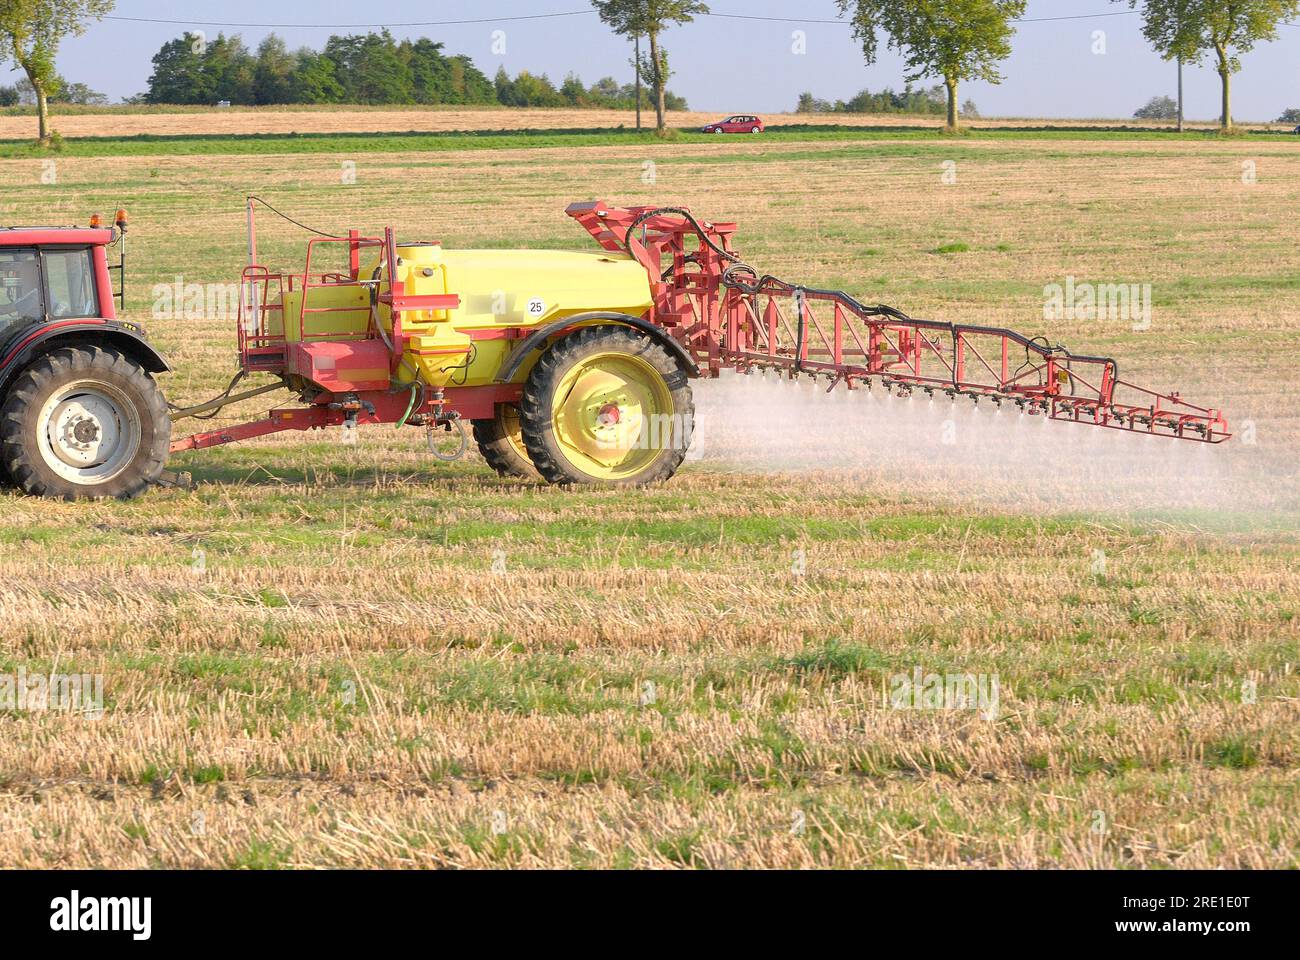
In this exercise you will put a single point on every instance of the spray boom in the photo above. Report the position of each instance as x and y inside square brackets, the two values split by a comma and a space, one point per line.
[731, 317]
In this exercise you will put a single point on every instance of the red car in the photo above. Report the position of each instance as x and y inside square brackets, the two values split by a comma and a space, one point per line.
[741, 123]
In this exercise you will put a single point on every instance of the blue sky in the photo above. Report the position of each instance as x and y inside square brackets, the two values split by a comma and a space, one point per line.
[727, 65]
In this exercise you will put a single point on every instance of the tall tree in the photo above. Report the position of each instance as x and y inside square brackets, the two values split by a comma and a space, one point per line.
[650, 18]
[954, 39]
[314, 80]
[370, 68]
[430, 70]
[178, 73]
[232, 69]
[273, 74]
[1189, 29]
[30, 32]
[469, 83]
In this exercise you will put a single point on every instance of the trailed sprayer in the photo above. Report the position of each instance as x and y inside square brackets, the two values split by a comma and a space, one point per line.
[575, 367]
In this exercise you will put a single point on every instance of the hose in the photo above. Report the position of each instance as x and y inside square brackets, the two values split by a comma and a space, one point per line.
[471, 356]
[296, 223]
[374, 308]
[685, 214]
[383, 334]
[731, 281]
[460, 451]
[416, 387]
[1048, 346]
[217, 400]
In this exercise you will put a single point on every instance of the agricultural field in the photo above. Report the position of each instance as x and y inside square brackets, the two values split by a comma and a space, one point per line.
[18, 123]
[334, 654]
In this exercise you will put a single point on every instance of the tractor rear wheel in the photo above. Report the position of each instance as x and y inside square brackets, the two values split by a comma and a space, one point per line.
[501, 442]
[607, 405]
[84, 422]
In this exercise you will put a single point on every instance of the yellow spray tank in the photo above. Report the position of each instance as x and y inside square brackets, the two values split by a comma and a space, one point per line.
[571, 366]
[503, 295]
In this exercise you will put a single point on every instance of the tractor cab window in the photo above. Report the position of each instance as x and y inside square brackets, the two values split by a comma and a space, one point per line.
[70, 279]
[21, 300]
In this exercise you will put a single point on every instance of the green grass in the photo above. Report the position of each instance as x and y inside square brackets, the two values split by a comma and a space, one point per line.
[369, 143]
[260, 855]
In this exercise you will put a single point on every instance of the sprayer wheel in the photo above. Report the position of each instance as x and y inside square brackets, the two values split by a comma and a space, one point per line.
[607, 405]
[500, 440]
[84, 422]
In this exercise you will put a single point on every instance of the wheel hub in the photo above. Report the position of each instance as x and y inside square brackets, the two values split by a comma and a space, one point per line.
[607, 413]
[89, 432]
[609, 416]
[86, 430]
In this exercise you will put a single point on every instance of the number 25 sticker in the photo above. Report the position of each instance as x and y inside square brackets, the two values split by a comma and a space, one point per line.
[536, 307]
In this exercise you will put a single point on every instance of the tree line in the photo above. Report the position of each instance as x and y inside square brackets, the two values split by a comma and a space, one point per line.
[952, 41]
[372, 68]
[910, 100]
[23, 93]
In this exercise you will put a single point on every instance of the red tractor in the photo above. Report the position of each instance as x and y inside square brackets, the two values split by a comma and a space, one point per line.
[80, 413]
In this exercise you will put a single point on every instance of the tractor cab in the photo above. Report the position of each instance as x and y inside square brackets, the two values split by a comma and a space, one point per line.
[80, 415]
[51, 275]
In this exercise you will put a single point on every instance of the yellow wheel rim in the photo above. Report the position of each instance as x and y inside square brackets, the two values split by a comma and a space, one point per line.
[612, 415]
[512, 428]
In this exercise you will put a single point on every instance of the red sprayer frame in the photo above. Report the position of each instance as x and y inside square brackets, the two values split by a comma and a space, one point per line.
[728, 316]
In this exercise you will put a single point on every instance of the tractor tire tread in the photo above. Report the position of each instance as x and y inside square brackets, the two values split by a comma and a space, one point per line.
[501, 456]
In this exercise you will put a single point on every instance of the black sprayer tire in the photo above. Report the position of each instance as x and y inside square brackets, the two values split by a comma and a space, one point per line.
[607, 405]
[501, 442]
[84, 422]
